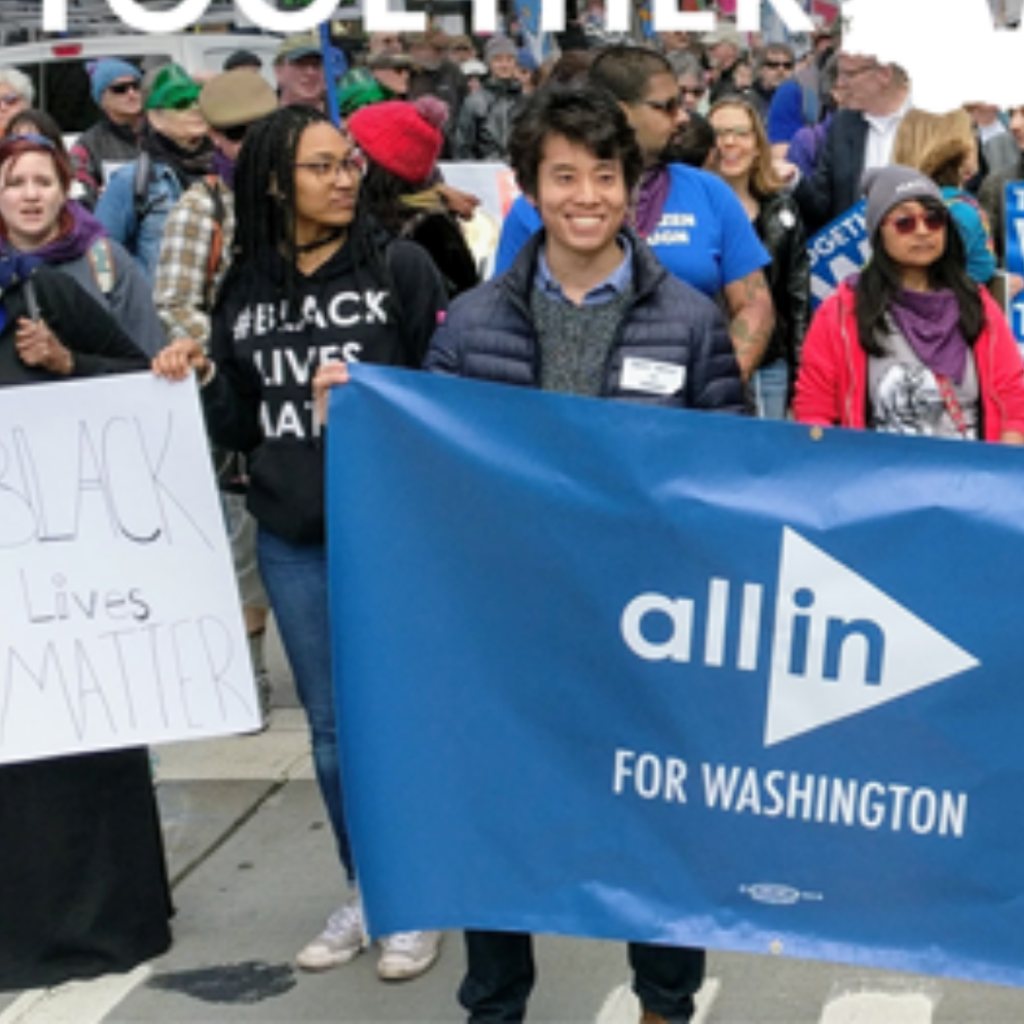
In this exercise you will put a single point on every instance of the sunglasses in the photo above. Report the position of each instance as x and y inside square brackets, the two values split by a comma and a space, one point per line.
[671, 106]
[120, 88]
[236, 134]
[11, 99]
[698, 92]
[907, 223]
[776, 64]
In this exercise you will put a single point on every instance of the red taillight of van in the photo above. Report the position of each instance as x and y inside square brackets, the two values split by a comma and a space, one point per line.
[67, 50]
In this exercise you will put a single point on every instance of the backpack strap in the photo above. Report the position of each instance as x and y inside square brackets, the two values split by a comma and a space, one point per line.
[212, 185]
[101, 262]
[140, 184]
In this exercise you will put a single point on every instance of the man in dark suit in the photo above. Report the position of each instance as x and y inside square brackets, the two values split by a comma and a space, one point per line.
[861, 136]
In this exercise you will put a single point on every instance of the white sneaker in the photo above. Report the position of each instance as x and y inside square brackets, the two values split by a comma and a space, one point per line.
[342, 939]
[407, 954]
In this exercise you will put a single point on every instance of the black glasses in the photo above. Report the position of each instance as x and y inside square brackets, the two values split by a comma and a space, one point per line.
[352, 165]
[697, 91]
[776, 64]
[907, 223]
[120, 88]
[671, 106]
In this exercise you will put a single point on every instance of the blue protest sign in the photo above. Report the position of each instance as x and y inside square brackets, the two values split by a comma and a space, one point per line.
[837, 251]
[1013, 232]
[644, 674]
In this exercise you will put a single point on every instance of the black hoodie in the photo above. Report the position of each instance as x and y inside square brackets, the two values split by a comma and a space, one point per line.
[261, 401]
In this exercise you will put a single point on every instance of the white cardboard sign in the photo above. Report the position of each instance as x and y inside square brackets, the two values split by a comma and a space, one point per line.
[120, 622]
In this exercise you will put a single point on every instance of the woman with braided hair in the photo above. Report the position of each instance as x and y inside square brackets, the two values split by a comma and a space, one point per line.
[313, 280]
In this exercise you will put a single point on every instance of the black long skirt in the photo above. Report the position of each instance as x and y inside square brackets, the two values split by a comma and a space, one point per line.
[83, 880]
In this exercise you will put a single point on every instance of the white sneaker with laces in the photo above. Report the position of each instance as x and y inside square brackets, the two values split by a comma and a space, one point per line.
[407, 954]
[343, 938]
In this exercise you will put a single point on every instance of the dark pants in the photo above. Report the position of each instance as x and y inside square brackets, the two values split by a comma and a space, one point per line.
[500, 973]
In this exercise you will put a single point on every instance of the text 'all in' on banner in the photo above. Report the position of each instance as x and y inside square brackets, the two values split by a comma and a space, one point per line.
[120, 610]
[676, 677]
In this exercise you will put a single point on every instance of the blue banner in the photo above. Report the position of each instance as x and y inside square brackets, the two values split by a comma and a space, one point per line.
[1013, 232]
[528, 12]
[632, 673]
[837, 251]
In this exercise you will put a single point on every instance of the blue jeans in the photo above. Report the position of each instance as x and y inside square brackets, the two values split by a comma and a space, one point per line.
[295, 576]
[771, 388]
[500, 974]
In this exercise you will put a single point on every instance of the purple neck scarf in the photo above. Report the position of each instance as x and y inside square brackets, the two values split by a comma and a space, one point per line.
[85, 231]
[224, 168]
[650, 199]
[930, 321]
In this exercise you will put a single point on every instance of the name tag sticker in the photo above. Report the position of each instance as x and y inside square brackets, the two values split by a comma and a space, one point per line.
[652, 377]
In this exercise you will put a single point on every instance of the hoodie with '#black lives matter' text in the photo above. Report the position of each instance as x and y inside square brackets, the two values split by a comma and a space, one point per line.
[260, 400]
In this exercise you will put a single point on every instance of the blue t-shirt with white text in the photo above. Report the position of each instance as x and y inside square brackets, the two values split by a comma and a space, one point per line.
[704, 236]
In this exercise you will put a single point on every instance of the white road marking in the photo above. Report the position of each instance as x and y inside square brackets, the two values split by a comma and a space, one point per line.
[622, 1006]
[872, 1007]
[77, 1002]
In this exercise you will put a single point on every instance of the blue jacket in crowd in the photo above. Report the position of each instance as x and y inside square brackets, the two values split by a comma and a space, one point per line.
[139, 231]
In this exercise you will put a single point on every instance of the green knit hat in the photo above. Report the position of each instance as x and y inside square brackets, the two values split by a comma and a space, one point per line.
[173, 88]
[358, 88]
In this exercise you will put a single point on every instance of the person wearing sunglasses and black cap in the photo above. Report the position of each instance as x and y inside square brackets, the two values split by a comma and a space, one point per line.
[175, 152]
[113, 140]
[912, 345]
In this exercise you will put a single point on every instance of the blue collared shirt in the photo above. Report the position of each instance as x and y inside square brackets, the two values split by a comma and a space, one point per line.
[614, 284]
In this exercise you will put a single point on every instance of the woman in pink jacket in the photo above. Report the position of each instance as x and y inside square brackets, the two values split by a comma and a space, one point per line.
[913, 345]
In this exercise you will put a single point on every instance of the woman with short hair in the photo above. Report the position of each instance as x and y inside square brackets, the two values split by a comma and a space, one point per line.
[72, 241]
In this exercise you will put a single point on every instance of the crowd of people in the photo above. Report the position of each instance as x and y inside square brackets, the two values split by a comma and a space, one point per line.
[218, 227]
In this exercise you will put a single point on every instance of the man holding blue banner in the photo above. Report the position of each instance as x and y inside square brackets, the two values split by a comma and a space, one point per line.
[586, 309]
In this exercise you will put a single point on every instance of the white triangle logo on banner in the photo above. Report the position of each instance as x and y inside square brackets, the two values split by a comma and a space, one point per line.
[841, 646]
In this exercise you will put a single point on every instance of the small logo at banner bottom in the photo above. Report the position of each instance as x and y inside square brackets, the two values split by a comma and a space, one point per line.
[776, 894]
[840, 645]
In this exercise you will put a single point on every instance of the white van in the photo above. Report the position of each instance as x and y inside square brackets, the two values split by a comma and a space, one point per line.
[57, 66]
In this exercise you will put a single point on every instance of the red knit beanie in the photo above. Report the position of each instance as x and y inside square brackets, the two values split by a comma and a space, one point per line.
[404, 138]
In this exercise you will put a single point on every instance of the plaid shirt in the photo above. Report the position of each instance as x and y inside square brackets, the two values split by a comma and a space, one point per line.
[183, 291]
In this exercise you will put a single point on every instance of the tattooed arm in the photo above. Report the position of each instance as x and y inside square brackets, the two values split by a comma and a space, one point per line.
[751, 319]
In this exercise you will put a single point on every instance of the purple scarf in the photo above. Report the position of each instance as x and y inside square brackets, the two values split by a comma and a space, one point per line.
[930, 321]
[85, 231]
[224, 168]
[650, 199]
[16, 266]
